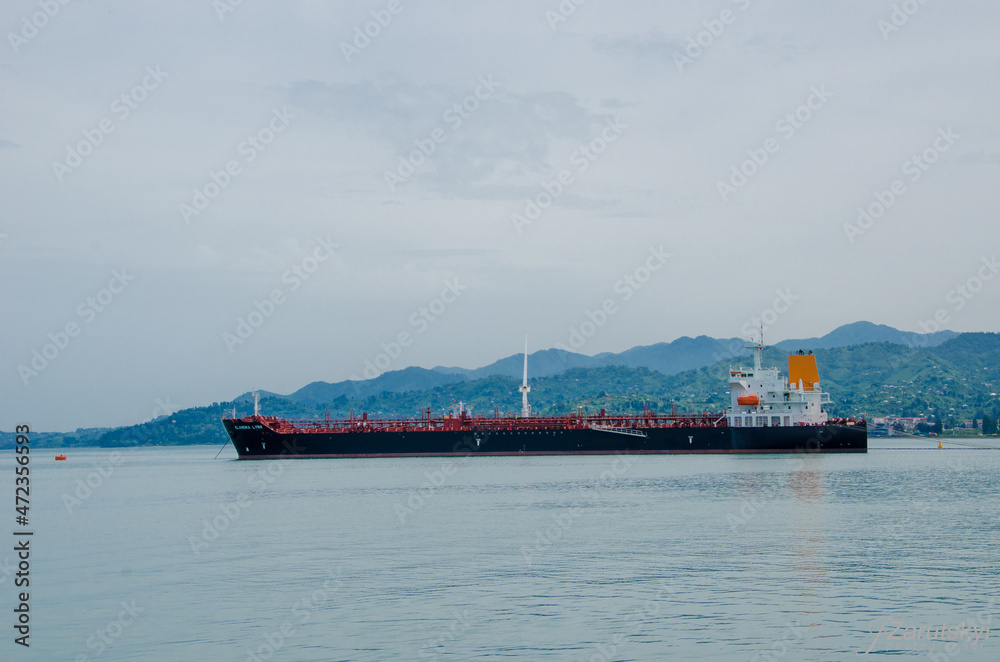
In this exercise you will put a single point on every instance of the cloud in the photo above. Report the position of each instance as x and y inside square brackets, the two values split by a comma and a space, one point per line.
[494, 146]
[6, 144]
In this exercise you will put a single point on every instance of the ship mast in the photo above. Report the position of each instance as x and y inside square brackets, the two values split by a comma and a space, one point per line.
[757, 348]
[256, 403]
[525, 407]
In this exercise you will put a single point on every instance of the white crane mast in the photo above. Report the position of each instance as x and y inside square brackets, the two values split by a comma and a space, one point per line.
[525, 389]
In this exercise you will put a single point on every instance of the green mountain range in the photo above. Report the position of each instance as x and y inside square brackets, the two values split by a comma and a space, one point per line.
[953, 377]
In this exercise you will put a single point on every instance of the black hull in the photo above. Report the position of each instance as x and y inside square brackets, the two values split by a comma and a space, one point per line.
[255, 441]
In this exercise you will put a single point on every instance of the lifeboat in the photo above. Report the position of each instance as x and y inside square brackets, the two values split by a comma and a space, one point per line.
[747, 400]
[60, 457]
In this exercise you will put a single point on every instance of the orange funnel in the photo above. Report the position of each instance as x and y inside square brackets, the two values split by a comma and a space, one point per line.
[803, 366]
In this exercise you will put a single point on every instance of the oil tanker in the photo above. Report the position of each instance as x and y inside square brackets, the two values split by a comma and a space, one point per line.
[768, 413]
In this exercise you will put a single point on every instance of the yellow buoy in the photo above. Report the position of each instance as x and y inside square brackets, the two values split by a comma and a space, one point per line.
[939, 445]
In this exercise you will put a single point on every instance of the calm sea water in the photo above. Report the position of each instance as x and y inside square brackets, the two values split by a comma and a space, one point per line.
[176, 556]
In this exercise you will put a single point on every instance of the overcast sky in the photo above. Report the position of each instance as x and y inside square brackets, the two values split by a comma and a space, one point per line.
[378, 184]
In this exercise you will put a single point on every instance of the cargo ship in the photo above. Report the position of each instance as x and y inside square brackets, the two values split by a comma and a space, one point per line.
[768, 413]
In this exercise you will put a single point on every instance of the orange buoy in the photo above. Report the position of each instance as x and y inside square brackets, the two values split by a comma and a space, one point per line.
[60, 457]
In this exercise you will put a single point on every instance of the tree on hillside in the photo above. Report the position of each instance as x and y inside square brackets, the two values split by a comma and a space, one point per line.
[989, 425]
[927, 428]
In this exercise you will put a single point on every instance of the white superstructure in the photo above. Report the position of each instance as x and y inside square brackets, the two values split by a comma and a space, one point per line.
[761, 397]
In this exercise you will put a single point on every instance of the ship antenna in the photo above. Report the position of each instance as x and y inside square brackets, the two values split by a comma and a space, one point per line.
[525, 407]
[758, 350]
[757, 347]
